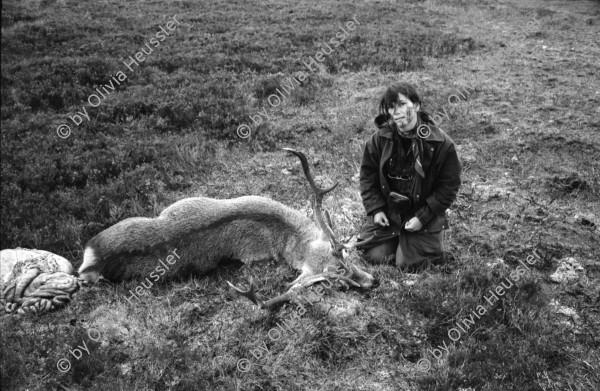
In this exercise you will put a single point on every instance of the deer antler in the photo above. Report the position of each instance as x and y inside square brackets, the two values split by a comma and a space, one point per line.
[324, 222]
[289, 295]
[319, 193]
[283, 298]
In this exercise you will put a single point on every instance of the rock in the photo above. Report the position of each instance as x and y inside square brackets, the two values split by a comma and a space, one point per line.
[568, 270]
[572, 321]
[411, 279]
[33, 281]
[586, 219]
[570, 183]
[486, 191]
[125, 368]
[497, 263]
[345, 308]
[48, 261]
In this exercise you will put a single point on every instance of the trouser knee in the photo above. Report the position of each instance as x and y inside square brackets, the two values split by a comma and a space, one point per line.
[420, 249]
[381, 254]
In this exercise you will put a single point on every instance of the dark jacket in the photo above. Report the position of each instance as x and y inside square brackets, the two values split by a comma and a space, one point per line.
[441, 165]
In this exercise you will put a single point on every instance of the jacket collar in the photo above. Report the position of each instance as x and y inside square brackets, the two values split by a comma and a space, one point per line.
[385, 130]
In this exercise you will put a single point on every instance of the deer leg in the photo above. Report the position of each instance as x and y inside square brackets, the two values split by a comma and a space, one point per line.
[313, 279]
[309, 280]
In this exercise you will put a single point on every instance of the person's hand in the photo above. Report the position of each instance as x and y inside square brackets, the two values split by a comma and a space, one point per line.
[413, 225]
[381, 219]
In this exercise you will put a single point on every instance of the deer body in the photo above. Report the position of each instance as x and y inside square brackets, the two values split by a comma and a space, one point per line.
[205, 231]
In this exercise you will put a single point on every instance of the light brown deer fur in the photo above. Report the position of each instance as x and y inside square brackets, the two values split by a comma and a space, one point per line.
[205, 231]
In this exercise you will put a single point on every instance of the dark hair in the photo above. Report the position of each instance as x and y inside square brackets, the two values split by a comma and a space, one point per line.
[390, 97]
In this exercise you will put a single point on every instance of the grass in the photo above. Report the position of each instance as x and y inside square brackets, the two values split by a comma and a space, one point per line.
[527, 134]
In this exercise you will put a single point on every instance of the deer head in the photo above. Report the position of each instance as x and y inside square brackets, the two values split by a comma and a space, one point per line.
[327, 257]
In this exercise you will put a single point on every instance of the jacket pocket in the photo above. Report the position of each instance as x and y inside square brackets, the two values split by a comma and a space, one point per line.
[436, 225]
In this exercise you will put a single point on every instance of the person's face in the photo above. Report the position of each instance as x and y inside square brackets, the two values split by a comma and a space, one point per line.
[404, 113]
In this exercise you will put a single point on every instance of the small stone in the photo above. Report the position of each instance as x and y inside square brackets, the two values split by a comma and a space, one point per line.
[568, 270]
[572, 320]
[125, 369]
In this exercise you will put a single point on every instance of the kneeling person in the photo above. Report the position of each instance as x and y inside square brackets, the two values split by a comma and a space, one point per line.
[409, 177]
